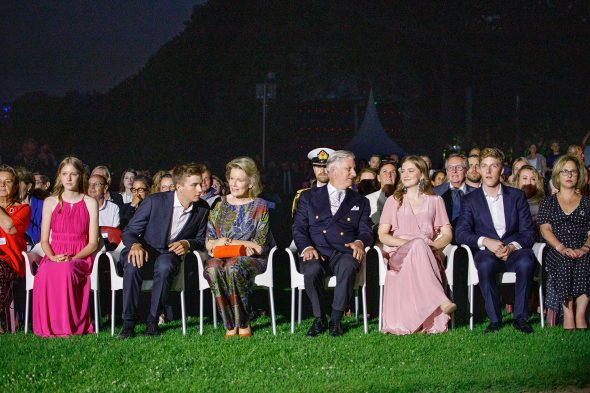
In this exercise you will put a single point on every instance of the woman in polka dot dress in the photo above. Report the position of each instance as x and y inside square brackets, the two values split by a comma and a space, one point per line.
[564, 219]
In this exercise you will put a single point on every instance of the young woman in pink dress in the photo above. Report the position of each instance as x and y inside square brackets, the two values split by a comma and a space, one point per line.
[69, 236]
[414, 228]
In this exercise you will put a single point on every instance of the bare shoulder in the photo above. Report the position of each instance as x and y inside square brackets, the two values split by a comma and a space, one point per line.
[50, 201]
[90, 202]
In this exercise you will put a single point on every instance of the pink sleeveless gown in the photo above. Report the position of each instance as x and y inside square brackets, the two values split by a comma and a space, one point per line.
[61, 293]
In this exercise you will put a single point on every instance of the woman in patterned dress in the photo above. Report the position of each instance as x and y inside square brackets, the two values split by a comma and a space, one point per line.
[237, 219]
[565, 225]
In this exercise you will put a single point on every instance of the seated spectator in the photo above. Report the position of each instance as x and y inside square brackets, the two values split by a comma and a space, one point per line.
[438, 178]
[34, 198]
[126, 184]
[109, 195]
[366, 174]
[241, 219]
[414, 229]
[531, 183]
[428, 162]
[495, 222]
[14, 219]
[473, 177]
[165, 227]
[140, 190]
[564, 222]
[108, 212]
[69, 236]
[374, 162]
[208, 191]
[387, 178]
[453, 191]
[516, 165]
[162, 182]
[219, 185]
[42, 182]
[577, 151]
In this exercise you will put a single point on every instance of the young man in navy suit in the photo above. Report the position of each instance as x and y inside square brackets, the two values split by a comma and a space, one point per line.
[331, 228]
[165, 227]
[496, 221]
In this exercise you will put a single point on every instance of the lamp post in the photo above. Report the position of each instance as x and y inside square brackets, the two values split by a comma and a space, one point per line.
[265, 91]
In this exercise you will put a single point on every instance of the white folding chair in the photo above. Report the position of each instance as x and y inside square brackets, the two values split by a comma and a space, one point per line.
[262, 280]
[178, 285]
[297, 284]
[35, 255]
[505, 278]
[449, 252]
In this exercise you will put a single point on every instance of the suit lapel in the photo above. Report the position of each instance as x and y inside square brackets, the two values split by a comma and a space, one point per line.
[507, 202]
[486, 216]
[345, 205]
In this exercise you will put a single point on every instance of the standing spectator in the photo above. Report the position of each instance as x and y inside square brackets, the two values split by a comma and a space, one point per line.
[536, 160]
[62, 284]
[27, 156]
[564, 222]
[14, 219]
[553, 156]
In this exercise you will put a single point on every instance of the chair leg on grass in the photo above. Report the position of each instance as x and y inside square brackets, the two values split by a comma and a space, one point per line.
[299, 305]
[293, 310]
[365, 322]
[27, 311]
[272, 311]
[183, 312]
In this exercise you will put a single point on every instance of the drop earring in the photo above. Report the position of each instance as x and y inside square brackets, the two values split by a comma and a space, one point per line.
[421, 186]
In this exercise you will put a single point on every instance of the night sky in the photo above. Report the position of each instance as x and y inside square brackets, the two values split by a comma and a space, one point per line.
[83, 45]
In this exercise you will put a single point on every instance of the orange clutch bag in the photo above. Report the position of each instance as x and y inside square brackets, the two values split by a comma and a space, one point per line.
[229, 251]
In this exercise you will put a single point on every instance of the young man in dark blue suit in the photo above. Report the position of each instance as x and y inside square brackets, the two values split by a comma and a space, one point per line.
[331, 228]
[165, 227]
[496, 221]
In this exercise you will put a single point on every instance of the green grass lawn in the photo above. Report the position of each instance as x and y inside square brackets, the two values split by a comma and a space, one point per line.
[460, 360]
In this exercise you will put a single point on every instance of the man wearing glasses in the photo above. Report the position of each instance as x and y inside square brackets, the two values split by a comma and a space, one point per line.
[495, 221]
[453, 191]
[108, 212]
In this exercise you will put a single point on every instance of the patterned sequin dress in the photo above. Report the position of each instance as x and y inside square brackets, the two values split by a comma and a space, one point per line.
[566, 277]
[232, 278]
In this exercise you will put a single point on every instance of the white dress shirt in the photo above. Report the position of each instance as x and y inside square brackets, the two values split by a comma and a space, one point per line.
[496, 207]
[180, 216]
[108, 215]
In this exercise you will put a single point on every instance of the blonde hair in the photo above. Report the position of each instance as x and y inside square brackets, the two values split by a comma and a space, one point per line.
[493, 152]
[558, 166]
[423, 168]
[15, 182]
[107, 173]
[539, 181]
[249, 166]
[157, 179]
[81, 187]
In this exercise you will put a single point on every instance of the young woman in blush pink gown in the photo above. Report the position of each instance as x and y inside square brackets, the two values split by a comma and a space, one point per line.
[414, 228]
[69, 236]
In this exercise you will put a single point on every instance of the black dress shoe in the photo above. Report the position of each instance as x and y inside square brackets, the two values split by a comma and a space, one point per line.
[523, 326]
[336, 329]
[126, 332]
[151, 329]
[317, 327]
[492, 328]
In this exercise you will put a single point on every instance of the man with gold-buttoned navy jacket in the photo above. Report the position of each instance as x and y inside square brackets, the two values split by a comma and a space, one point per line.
[331, 228]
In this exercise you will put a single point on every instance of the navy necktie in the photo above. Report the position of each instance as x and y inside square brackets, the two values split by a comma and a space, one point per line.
[457, 195]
